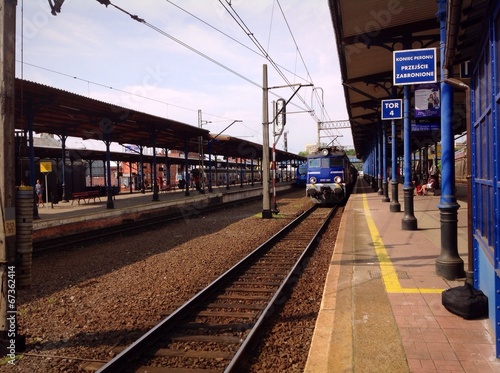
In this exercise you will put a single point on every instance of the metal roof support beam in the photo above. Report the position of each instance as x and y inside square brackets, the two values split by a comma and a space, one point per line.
[385, 191]
[63, 168]
[209, 145]
[409, 222]
[109, 204]
[141, 170]
[395, 205]
[449, 265]
[29, 120]
[186, 153]
[167, 168]
[380, 157]
[156, 187]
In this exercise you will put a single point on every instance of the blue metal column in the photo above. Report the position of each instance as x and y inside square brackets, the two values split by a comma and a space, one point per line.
[409, 222]
[449, 264]
[379, 159]
[385, 198]
[374, 164]
[395, 205]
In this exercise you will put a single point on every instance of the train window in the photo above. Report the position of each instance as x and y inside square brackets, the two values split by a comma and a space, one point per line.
[336, 161]
[314, 163]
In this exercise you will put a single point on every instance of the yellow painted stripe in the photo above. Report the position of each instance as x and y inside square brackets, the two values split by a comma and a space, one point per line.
[389, 274]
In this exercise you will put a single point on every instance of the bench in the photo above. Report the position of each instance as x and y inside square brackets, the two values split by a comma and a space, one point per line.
[88, 195]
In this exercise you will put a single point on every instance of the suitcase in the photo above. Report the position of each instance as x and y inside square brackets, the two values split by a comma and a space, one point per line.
[466, 301]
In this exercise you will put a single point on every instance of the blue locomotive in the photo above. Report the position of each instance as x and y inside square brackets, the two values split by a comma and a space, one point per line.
[330, 176]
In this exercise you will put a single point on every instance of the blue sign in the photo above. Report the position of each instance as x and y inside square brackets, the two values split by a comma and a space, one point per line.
[392, 109]
[415, 66]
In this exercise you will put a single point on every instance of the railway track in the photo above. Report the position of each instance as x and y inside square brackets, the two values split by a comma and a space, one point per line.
[214, 331]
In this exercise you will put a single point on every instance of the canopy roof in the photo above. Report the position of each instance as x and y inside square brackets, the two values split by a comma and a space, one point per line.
[367, 33]
[62, 113]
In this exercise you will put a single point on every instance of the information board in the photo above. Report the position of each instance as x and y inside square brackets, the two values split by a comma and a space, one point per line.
[414, 66]
[392, 109]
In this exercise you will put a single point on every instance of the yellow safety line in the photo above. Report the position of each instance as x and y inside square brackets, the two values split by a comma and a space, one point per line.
[389, 274]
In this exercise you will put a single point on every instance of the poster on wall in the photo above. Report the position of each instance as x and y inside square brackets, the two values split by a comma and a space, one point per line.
[427, 101]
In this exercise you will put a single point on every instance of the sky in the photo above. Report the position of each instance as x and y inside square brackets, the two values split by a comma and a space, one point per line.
[191, 55]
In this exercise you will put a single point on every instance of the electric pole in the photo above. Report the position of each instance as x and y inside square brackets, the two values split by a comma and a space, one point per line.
[9, 342]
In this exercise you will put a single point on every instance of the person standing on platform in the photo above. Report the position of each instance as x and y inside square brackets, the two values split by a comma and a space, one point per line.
[39, 193]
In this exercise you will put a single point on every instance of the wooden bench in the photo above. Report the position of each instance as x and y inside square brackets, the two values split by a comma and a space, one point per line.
[86, 196]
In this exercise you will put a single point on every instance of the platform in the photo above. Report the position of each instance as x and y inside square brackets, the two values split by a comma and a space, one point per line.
[68, 217]
[381, 310]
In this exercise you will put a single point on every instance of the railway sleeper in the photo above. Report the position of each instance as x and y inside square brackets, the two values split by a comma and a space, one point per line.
[193, 354]
[263, 283]
[250, 290]
[148, 369]
[237, 306]
[266, 277]
[224, 339]
[265, 271]
[242, 297]
[219, 327]
[232, 314]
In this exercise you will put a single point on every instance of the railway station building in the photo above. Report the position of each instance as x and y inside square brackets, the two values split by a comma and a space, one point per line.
[156, 152]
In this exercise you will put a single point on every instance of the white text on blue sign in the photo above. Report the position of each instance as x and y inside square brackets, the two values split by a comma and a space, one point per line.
[415, 66]
[392, 109]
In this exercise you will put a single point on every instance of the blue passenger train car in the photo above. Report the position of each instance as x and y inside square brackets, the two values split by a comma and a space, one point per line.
[301, 174]
[330, 176]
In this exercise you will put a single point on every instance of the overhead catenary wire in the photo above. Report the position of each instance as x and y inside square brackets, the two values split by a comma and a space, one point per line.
[264, 53]
[256, 42]
[185, 45]
[157, 29]
[228, 36]
[232, 12]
